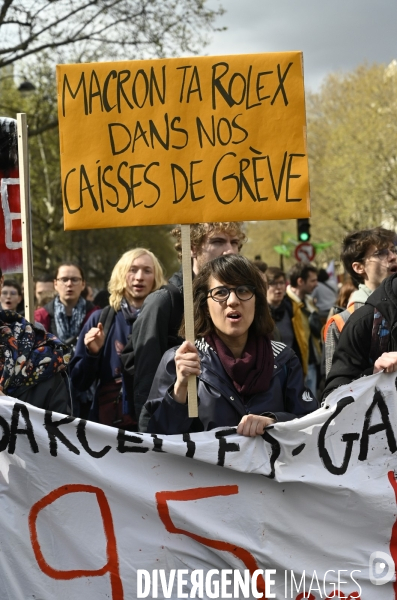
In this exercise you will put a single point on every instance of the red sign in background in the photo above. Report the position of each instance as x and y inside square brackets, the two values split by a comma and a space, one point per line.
[305, 252]
[10, 213]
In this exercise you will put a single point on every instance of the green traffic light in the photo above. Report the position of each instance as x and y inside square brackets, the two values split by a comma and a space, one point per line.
[304, 237]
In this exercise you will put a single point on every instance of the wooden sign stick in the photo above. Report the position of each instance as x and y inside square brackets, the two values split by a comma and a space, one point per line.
[188, 308]
[27, 253]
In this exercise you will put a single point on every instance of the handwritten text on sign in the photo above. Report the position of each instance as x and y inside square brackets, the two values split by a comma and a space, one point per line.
[99, 514]
[183, 140]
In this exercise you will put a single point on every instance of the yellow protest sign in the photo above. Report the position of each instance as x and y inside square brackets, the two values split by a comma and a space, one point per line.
[183, 140]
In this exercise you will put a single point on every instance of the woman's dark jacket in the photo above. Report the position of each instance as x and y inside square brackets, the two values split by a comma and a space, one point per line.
[219, 404]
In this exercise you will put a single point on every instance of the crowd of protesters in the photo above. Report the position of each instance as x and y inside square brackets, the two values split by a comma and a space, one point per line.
[267, 342]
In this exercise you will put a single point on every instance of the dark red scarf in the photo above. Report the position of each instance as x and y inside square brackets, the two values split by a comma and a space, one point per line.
[252, 372]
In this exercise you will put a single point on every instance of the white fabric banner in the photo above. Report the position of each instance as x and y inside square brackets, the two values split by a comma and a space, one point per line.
[309, 511]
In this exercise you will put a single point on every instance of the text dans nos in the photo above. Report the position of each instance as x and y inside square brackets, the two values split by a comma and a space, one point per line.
[232, 179]
[213, 131]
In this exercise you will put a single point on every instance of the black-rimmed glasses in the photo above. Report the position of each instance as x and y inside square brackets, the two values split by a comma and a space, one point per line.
[222, 293]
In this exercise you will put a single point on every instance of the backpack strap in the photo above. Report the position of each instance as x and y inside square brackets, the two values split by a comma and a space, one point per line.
[177, 307]
[338, 320]
[107, 317]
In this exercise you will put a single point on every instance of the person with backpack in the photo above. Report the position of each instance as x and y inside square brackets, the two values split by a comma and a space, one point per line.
[103, 337]
[368, 341]
[368, 258]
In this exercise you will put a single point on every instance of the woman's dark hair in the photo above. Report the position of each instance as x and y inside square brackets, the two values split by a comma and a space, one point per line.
[14, 284]
[70, 264]
[233, 270]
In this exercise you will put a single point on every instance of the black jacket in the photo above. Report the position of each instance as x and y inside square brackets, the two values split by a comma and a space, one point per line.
[219, 402]
[354, 355]
[277, 315]
[154, 332]
[51, 394]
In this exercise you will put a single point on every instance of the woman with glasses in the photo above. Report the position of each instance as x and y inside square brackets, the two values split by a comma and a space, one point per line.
[244, 378]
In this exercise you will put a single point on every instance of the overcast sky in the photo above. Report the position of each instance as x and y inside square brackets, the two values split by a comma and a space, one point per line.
[334, 35]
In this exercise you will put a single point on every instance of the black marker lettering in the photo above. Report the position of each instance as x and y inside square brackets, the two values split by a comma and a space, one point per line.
[88, 187]
[157, 443]
[193, 183]
[52, 428]
[124, 183]
[82, 437]
[281, 79]
[174, 169]
[123, 438]
[201, 128]
[65, 195]
[224, 446]
[191, 446]
[244, 164]
[134, 185]
[74, 94]
[111, 186]
[257, 179]
[155, 134]
[276, 449]
[93, 94]
[5, 438]
[120, 89]
[227, 129]
[215, 182]
[150, 182]
[154, 84]
[349, 438]
[107, 107]
[21, 409]
[121, 138]
[369, 429]
[277, 191]
[140, 73]
[289, 176]
[216, 85]
[180, 130]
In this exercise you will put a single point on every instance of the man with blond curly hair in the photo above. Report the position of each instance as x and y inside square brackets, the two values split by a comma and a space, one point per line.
[156, 329]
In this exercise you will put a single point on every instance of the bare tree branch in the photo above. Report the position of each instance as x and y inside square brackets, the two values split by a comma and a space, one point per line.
[91, 28]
